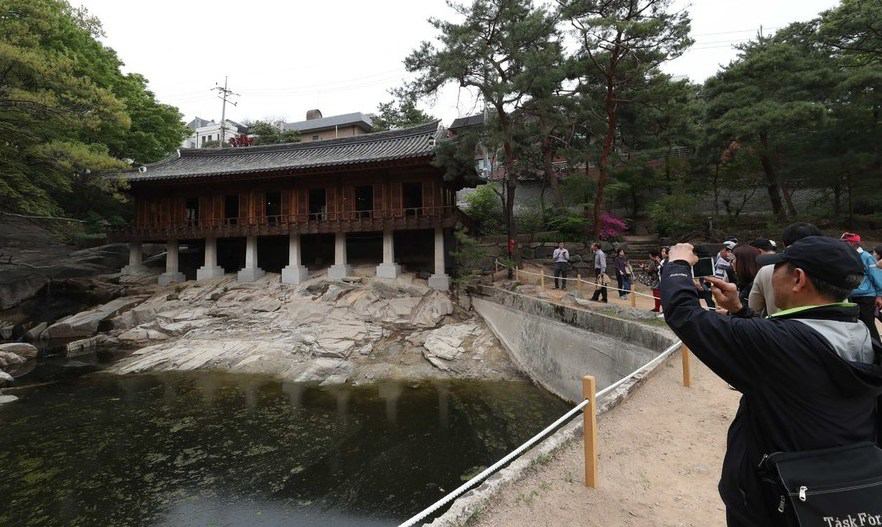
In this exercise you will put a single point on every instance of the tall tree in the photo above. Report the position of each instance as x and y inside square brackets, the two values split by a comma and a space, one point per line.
[770, 100]
[67, 112]
[400, 112]
[500, 50]
[621, 44]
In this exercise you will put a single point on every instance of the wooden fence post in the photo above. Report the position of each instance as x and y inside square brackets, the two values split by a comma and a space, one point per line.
[542, 278]
[589, 417]
[579, 281]
[687, 375]
[517, 274]
[633, 297]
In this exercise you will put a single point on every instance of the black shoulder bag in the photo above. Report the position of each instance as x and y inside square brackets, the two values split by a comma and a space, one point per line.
[833, 487]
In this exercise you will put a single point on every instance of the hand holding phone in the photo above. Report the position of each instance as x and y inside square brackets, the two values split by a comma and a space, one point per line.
[704, 267]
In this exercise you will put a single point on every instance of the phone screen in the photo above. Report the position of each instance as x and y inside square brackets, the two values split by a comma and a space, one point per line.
[704, 267]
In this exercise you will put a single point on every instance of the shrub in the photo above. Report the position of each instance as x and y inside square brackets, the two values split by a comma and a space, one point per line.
[470, 259]
[485, 208]
[674, 214]
[612, 226]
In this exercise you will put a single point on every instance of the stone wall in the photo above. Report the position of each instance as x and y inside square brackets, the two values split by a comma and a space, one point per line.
[556, 345]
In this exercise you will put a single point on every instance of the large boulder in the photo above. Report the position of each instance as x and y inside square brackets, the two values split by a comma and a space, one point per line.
[140, 336]
[432, 308]
[446, 342]
[22, 349]
[85, 323]
[7, 399]
[35, 332]
[8, 359]
[5, 379]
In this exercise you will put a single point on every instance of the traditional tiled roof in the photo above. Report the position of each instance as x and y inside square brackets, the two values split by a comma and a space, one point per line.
[348, 119]
[406, 143]
[463, 122]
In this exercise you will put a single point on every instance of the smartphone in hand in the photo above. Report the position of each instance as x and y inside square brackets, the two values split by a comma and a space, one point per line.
[704, 267]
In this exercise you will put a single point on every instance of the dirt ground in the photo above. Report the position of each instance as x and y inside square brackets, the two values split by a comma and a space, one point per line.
[660, 454]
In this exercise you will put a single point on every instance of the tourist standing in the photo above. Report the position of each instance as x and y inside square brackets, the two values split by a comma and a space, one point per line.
[561, 257]
[599, 273]
[762, 296]
[807, 375]
[868, 295]
[723, 262]
[623, 273]
[653, 272]
[745, 269]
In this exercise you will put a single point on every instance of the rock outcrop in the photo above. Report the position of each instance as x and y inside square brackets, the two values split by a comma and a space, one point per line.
[321, 331]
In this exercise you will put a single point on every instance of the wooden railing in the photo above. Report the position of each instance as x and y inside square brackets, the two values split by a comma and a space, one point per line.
[348, 221]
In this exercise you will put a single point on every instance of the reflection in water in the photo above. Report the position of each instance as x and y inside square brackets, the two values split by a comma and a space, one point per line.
[241, 450]
[390, 391]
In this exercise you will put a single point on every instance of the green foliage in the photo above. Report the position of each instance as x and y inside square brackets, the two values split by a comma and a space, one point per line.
[529, 219]
[269, 134]
[504, 51]
[400, 112]
[485, 208]
[67, 112]
[470, 259]
[571, 225]
[674, 214]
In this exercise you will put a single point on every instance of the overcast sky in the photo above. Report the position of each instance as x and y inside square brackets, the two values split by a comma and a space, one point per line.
[341, 56]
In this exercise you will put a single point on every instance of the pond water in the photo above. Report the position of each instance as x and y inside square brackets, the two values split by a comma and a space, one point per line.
[206, 449]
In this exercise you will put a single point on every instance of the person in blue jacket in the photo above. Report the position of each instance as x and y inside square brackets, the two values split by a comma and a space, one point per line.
[810, 375]
[867, 295]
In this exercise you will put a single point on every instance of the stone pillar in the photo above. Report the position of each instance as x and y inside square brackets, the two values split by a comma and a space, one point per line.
[210, 269]
[340, 269]
[171, 274]
[439, 280]
[251, 272]
[388, 269]
[294, 272]
[136, 256]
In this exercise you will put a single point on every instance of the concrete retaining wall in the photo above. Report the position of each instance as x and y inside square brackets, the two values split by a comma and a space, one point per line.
[556, 345]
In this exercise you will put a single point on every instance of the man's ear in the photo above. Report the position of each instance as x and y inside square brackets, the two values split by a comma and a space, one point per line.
[801, 280]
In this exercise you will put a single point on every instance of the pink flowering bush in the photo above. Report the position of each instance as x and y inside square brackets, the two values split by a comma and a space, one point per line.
[612, 226]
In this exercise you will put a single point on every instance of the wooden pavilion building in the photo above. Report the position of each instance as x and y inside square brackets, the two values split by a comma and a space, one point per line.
[382, 183]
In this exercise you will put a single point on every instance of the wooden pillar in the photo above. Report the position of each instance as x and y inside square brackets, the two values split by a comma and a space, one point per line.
[589, 420]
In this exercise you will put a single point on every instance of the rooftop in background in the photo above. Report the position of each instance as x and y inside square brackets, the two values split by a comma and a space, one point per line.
[315, 122]
[466, 122]
[416, 142]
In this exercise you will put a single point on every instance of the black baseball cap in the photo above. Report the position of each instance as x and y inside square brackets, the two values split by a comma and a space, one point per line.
[763, 244]
[821, 257]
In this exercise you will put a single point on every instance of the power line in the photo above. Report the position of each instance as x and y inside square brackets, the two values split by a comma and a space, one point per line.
[224, 94]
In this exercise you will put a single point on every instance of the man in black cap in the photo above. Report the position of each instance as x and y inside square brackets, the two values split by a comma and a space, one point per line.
[809, 375]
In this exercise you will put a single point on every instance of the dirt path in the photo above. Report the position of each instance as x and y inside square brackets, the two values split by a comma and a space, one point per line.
[659, 462]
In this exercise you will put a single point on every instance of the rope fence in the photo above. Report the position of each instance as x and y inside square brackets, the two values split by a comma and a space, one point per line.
[588, 407]
[498, 266]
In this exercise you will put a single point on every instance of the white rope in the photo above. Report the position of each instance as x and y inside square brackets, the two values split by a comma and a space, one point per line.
[533, 440]
[494, 467]
[596, 284]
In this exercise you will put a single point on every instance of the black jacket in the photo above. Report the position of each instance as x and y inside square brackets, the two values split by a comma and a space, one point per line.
[808, 381]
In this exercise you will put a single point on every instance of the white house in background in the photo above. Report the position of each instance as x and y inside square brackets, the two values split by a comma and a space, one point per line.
[204, 131]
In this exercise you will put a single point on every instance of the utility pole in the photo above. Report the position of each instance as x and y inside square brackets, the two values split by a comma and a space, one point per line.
[224, 95]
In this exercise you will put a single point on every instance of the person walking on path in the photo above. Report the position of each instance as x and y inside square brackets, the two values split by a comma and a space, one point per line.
[653, 272]
[623, 273]
[599, 273]
[809, 375]
[561, 257]
[762, 297]
[868, 295]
